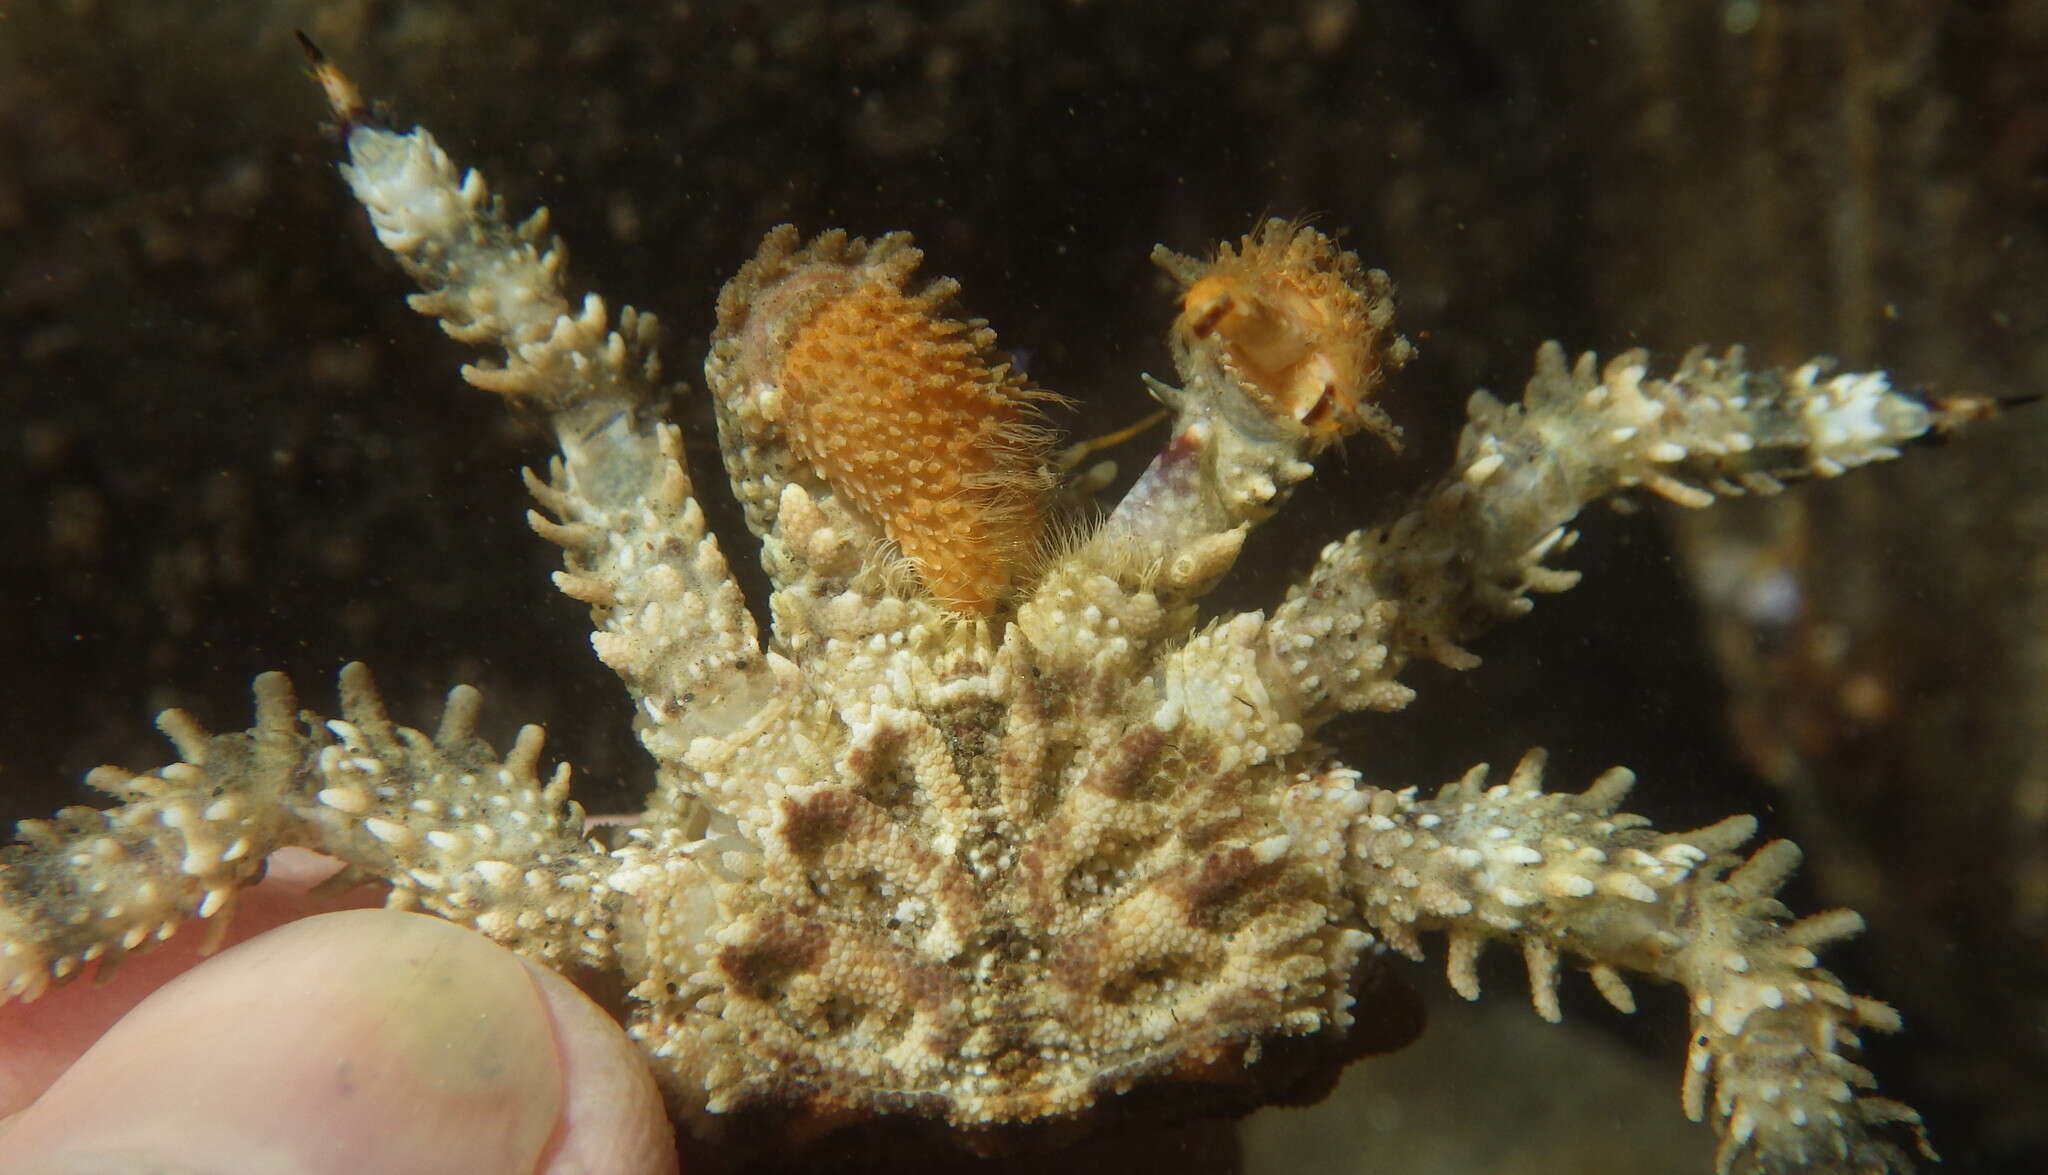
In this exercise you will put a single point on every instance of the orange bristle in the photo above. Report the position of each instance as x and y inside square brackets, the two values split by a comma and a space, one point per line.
[1299, 323]
[903, 411]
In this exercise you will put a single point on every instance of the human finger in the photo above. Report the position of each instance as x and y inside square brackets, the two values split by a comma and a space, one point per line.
[39, 1040]
[365, 1040]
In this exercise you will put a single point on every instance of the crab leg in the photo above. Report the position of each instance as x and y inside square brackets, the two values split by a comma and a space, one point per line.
[479, 840]
[1281, 342]
[1468, 555]
[1570, 874]
[669, 618]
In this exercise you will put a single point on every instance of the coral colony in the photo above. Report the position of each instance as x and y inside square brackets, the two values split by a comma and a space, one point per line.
[989, 827]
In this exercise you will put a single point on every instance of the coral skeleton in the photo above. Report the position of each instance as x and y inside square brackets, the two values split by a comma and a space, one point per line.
[991, 823]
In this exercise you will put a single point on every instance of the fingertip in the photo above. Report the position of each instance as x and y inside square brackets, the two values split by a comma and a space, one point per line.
[363, 1040]
[613, 1121]
[40, 1039]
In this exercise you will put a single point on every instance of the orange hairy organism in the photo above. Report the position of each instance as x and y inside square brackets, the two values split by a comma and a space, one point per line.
[1299, 324]
[900, 409]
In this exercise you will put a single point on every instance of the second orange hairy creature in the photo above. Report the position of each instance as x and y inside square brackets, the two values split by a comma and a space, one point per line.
[901, 410]
[1297, 321]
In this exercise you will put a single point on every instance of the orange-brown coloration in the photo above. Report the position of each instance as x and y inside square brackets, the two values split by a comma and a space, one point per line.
[1299, 323]
[900, 409]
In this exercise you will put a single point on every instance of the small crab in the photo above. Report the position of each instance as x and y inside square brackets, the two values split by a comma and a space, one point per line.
[990, 824]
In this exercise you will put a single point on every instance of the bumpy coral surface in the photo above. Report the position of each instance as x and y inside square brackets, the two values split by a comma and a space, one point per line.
[992, 823]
